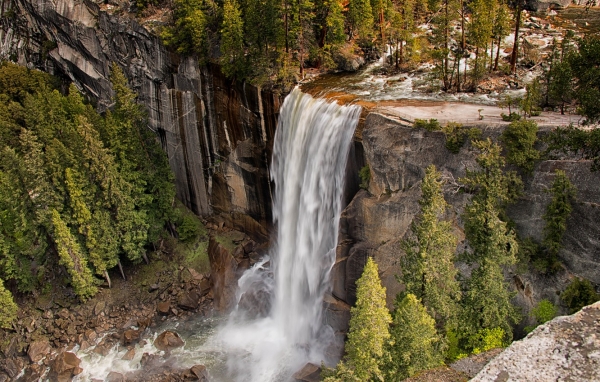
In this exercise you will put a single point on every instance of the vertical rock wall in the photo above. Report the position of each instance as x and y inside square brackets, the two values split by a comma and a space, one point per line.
[218, 135]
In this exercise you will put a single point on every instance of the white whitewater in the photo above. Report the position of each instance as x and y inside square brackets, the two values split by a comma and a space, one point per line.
[309, 159]
[277, 326]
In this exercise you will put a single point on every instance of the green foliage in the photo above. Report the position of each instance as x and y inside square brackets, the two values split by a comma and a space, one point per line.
[188, 34]
[431, 125]
[414, 344]
[360, 17]
[368, 325]
[457, 135]
[365, 177]
[8, 308]
[557, 213]
[574, 141]
[544, 311]
[72, 258]
[520, 138]
[232, 41]
[486, 302]
[530, 104]
[578, 294]
[428, 269]
[512, 117]
[488, 339]
[585, 65]
[76, 188]
[510, 102]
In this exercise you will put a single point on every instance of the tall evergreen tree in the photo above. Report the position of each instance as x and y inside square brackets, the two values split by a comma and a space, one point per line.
[232, 41]
[369, 323]
[428, 269]
[72, 258]
[557, 213]
[414, 344]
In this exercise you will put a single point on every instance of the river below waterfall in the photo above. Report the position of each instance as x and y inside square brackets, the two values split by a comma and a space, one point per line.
[277, 325]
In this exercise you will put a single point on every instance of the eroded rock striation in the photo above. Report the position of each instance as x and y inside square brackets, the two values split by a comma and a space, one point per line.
[566, 348]
[217, 134]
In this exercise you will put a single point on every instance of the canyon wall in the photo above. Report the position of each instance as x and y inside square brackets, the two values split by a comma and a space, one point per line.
[377, 219]
[217, 134]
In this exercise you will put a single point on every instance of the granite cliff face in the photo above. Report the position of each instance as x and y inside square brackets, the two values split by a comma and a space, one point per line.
[566, 348]
[217, 134]
[375, 221]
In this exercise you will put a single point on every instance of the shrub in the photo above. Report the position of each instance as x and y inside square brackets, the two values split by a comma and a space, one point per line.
[544, 311]
[510, 117]
[578, 294]
[8, 308]
[457, 135]
[365, 177]
[189, 228]
[519, 138]
[488, 339]
[431, 125]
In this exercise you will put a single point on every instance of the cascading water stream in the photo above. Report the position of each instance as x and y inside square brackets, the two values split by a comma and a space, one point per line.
[309, 160]
[277, 326]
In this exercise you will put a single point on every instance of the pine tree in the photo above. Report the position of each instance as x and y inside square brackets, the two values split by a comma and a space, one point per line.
[8, 308]
[486, 304]
[414, 344]
[428, 269]
[232, 41]
[369, 323]
[360, 17]
[557, 213]
[520, 138]
[71, 257]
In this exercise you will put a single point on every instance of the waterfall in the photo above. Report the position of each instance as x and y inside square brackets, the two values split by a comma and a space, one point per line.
[309, 158]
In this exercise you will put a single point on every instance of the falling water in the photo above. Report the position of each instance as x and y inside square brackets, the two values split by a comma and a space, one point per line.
[277, 326]
[309, 159]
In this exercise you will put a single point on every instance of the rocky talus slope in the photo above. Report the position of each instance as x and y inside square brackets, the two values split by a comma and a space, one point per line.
[564, 349]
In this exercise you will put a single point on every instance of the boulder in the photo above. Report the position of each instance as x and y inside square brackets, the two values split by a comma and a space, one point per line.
[38, 350]
[188, 300]
[65, 367]
[223, 275]
[200, 372]
[163, 308]
[115, 377]
[129, 355]
[309, 373]
[545, 5]
[564, 349]
[131, 336]
[168, 340]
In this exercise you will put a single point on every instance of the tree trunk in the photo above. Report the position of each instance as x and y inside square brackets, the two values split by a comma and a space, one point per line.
[145, 257]
[513, 57]
[107, 277]
[121, 269]
[497, 54]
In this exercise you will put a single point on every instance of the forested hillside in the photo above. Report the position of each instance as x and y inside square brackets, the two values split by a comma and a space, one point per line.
[79, 192]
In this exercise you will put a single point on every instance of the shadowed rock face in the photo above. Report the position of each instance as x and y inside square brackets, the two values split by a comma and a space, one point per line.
[218, 135]
[375, 222]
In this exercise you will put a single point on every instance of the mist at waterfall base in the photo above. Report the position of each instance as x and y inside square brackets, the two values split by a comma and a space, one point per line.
[277, 325]
[309, 158]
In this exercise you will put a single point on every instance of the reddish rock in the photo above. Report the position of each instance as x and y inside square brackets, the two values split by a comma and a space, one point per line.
[223, 275]
[204, 286]
[200, 372]
[65, 367]
[163, 308]
[309, 373]
[38, 350]
[168, 340]
[129, 355]
[131, 336]
[189, 301]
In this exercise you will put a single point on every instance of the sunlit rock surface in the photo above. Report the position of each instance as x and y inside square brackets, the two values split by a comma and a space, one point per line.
[564, 349]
